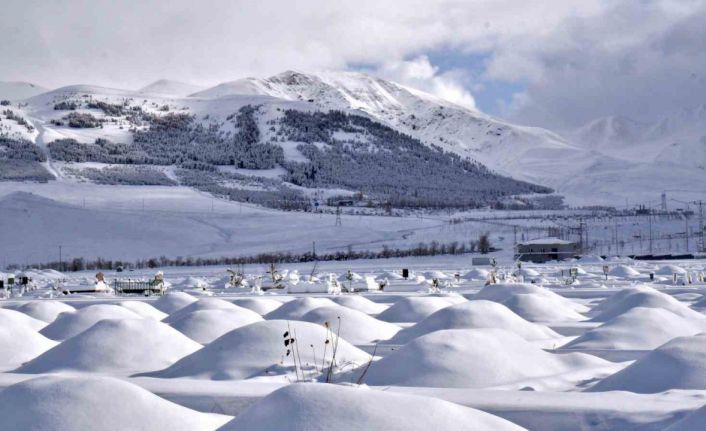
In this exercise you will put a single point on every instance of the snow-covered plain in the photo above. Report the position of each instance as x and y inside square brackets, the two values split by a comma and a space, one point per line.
[596, 353]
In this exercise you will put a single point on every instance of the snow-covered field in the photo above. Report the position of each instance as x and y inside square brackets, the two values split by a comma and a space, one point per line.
[440, 350]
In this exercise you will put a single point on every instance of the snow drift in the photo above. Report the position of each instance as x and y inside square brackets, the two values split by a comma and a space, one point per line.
[87, 403]
[204, 326]
[296, 308]
[258, 349]
[413, 309]
[173, 301]
[679, 364]
[356, 326]
[475, 314]
[69, 324]
[472, 358]
[45, 310]
[123, 346]
[320, 407]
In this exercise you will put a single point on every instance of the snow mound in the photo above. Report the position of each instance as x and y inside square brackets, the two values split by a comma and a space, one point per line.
[413, 309]
[360, 303]
[258, 349]
[540, 308]
[144, 309]
[476, 274]
[19, 344]
[359, 409]
[202, 304]
[529, 272]
[648, 298]
[195, 283]
[60, 403]
[173, 301]
[45, 310]
[475, 314]
[297, 308]
[695, 421]
[656, 327]
[16, 319]
[623, 271]
[504, 292]
[205, 326]
[123, 346]
[356, 326]
[591, 259]
[670, 270]
[678, 364]
[69, 324]
[470, 358]
[261, 306]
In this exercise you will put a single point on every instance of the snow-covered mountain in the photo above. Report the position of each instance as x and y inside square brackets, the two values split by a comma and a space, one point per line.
[16, 90]
[521, 152]
[603, 162]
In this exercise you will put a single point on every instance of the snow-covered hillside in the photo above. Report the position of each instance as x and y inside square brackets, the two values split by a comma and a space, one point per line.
[15, 90]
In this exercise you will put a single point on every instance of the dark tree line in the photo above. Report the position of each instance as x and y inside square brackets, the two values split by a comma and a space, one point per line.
[422, 249]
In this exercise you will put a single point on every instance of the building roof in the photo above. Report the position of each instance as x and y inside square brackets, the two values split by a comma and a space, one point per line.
[546, 241]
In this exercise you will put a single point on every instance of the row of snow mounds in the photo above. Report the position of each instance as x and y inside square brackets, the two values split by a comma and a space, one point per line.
[352, 325]
[416, 308]
[639, 328]
[533, 303]
[45, 310]
[325, 407]
[297, 308]
[71, 323]
[60, 403]
[470, 358]
[261, 306]
[475, 314]
[258, 349]
[678, 364]
[360, 303]
[124, 347]
[641, 296]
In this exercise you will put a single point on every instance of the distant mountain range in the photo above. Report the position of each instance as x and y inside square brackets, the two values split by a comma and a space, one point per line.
[605, 161]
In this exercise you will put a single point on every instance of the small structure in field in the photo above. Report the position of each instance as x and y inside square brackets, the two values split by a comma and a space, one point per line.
[546, 249]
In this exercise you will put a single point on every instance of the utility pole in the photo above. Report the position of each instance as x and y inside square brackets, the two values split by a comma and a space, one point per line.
[313, 249]
[338, 216]
[686, 233]
[61, 262]
[702, 246]
[649, 217]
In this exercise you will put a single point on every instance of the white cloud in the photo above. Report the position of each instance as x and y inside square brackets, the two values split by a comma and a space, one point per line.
[579, 58]
[419, 73]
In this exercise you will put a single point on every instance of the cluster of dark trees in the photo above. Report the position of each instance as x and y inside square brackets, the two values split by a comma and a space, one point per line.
[20, 161]
[101, 151]
[126, 175]
[389, 165]
[82, 120]
[177, 139]
[423, 249]
[261, 191]
[20, 149]
[10, 115]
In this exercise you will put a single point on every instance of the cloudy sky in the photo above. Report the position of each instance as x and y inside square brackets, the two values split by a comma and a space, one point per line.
[553, 63]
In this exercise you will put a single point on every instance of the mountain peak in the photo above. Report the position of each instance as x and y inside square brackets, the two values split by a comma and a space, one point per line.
[170, 88]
